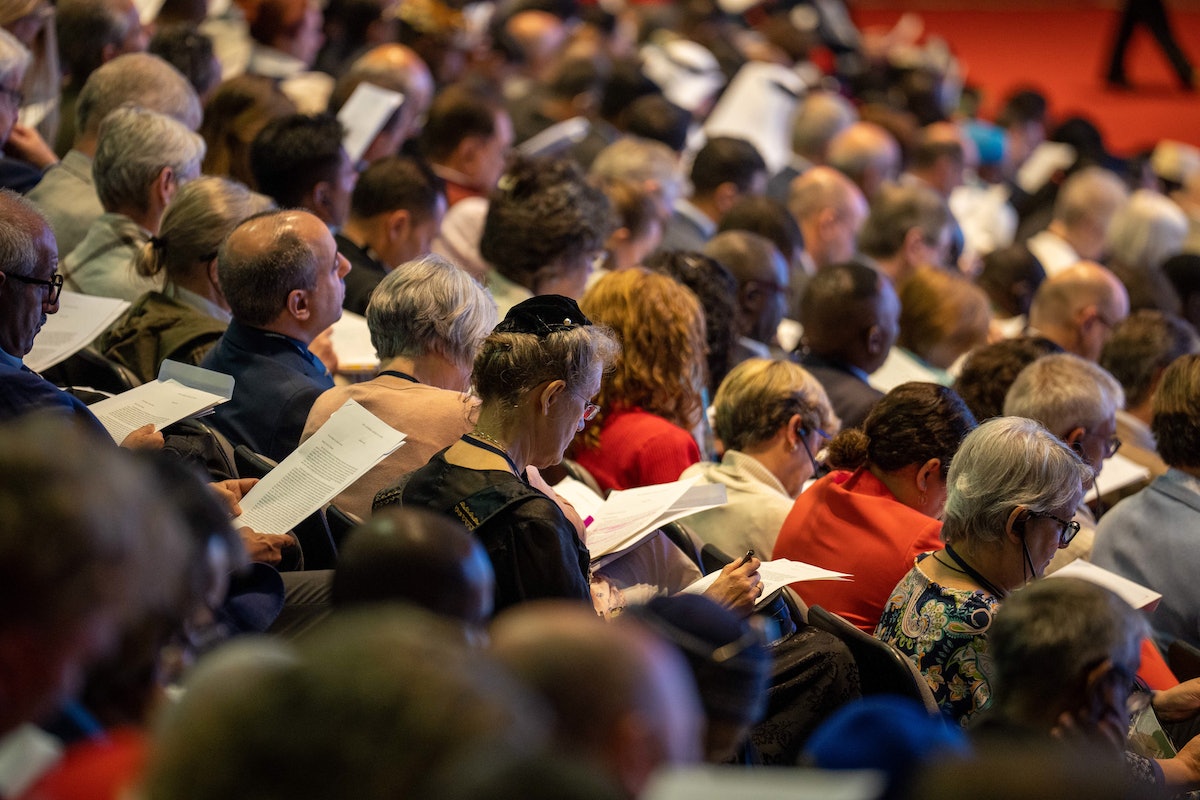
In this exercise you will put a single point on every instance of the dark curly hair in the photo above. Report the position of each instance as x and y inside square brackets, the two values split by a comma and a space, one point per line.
[911, 424]
[542, 215]
[716, 289]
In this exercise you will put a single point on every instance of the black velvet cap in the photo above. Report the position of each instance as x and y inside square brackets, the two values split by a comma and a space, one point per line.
[543, 315]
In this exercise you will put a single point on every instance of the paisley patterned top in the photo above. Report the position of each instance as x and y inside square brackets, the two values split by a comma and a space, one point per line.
[944, 632]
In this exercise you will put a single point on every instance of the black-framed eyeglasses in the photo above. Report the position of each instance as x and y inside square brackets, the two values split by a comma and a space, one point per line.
[1111, 446]
[55, 285]
[804, 443]
[1068, 531]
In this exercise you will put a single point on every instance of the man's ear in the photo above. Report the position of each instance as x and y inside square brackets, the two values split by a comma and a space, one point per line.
[1074, 439]
[298, 304]
[876, 339]
[913, 242]
[322, 199]
[399, 224]
[164, 186]
[725, 196]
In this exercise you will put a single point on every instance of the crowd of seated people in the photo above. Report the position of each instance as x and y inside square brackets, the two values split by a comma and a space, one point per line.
[900, 357]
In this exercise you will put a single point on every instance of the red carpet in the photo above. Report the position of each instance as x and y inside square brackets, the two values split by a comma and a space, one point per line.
[1064, 52]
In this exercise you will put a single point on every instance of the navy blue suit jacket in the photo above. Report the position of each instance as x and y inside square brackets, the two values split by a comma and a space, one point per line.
[852, 398]
[23, 391]
[277, 382]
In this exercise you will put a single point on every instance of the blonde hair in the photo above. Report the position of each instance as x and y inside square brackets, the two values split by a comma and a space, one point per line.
[759, 396]
[660, 325]
[202, 213]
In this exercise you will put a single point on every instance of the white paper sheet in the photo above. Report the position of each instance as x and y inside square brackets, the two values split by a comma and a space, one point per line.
[629, 516]
[557, 138]
[159, 403]
[775, 575]
[352, 344]
[1135, 594]
[350, 442]
[758, 106]
[795, 783]
[1118, 472]
[363, 116]
[80, 319]
[1045, 160]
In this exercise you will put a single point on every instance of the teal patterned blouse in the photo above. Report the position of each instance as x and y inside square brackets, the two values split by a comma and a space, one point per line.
[944, 632]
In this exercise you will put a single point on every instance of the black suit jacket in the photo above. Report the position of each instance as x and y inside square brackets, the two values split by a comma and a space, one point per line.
[364, 275]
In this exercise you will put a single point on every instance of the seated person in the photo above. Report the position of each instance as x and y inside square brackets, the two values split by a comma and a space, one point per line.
[879, 508]
[770, 417]
[943, 316]
[535, 374]
[1010, 495]
[414, 555]
[851, 317]
[427, 321]
[282, 277]
[545, 227]
[142, 159]
[185, 319]
[1065, 653]
[395, 211]
[1148, 537]
[650, 403]
[988, 372]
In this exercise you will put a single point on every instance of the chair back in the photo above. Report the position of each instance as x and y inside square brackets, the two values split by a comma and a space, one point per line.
[882, 668]
[89, 369]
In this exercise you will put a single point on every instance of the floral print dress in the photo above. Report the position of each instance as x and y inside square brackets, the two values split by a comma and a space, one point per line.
[944, 632]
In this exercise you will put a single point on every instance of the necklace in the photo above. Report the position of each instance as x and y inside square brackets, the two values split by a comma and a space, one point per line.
[395, 373]
[972, 573]
[492, 445]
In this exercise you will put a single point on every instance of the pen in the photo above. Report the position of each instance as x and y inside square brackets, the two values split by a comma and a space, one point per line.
[746, 559]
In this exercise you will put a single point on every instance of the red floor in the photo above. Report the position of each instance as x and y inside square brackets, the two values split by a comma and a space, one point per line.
[1064, 53]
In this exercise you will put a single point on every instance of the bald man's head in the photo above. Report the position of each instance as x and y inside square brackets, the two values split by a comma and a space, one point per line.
[867, 154]
[830, 210]
[398, 69]
[1078, 308]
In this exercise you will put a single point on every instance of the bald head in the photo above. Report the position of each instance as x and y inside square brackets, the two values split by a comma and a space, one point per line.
[830, 210]
[268, 258]
[398, 69]
[820, 117]
[1078, 308]
[540, 35]
[867, 154]
[621, 696]
[1085, 206]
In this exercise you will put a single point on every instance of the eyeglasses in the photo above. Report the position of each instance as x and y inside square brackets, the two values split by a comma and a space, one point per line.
[804, 443]
[1111, 446]
[55, 284]
[590, 409]
[1069, 528]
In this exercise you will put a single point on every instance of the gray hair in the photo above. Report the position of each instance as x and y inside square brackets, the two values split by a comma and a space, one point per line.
[1063, 391]
[430, 305]
[1092, 193]
[1004, 463]
[820, 117]
[14, 58]
[632, 158]
[1051, 633]
[18, 250]
[195, 223]
[135, 146]
[139, 78]
[1146, 231]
